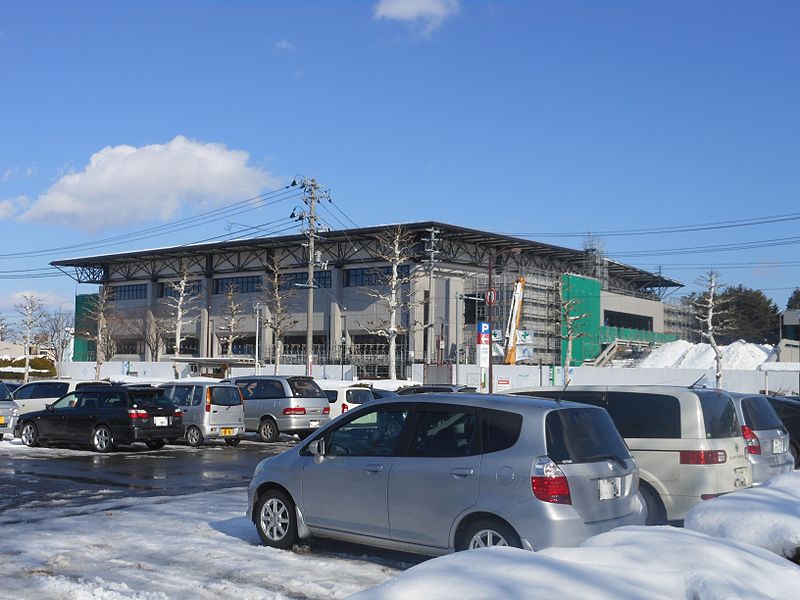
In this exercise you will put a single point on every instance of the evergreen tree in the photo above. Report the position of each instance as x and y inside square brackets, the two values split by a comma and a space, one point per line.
[752, 316]
[794, 300]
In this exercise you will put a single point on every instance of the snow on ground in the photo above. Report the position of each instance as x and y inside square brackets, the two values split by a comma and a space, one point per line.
[199, 546]
[627, 563]
[681, 354]
[767, 516]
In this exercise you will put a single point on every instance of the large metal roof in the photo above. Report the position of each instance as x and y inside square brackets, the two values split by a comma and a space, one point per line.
[491, 241]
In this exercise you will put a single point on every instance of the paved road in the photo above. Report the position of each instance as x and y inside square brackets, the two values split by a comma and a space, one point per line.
[74, 476]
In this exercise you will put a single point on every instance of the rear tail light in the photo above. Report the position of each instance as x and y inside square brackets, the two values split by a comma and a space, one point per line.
[178, 412]
[326, 410]
[703, 457]
[294, 410]
[137, 413]
[549, 483]
[208, 400]
[345, 407]
[751, 440]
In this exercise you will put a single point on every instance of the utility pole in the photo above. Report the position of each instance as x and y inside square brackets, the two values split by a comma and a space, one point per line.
[310, 187]
[430, 248]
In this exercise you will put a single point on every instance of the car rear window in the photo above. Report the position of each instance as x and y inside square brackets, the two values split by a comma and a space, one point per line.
[225, 396]
[719, 415]
[358, 396]
[501, 429]
[4, 393]
[153, 399]
[579, 435]
[306, 388]
[332, 395]
[256, 389]
[759, 414]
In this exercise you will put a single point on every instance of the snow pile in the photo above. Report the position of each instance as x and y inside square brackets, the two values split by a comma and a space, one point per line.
[766, 516]
[681, 354]
[627, 563]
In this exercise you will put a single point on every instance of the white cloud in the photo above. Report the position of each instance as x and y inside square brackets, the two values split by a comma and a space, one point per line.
[12, 206]
[429, 13]
[123, 185]
[51, 300]
[284, 44]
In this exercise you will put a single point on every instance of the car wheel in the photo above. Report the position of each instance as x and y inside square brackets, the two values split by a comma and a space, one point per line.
[155, 444]
[795, 455]
[233, 441]
[29, 435]
[194, 436]
[102, 440]
[268, 431]
[275, 520]
[487, 533]
[656, 514]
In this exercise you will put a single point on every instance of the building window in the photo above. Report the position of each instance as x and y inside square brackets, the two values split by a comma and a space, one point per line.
[242, 285]
[166, 289]
[130, 346]
[372, 276]
[627, 321]
[322, 279]
[137, 291]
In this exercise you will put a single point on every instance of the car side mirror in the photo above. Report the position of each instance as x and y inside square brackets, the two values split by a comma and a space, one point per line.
[317, 447]
[48, 407]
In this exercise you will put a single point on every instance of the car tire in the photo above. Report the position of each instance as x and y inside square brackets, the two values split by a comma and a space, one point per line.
[795, 452]
[233, 441]
[268, 431]
[656, 513]
[275, 520]
[102, 440]
[155, 444]
[488, 532]
[29, 435]
[194, 437]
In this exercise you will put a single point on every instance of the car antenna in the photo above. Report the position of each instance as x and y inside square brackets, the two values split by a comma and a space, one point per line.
[564, 389]
[698, 381]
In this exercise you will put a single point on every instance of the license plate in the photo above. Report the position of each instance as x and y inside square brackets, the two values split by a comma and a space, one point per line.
[740, 477]
[777, 445]
[609, 488]
[2, 420]
[314, 423]
[161, 421]
[227, 432]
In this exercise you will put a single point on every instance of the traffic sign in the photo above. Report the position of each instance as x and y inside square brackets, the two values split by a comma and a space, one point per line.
[491, 296]
[483, 327]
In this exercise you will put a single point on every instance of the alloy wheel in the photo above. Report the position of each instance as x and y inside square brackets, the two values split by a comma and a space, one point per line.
[486, 538]
[275, 519]
[102, 439]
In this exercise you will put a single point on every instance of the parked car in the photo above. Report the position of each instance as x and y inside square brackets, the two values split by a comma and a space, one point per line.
[35, 395]
[688, 443]
[104, 417]
[8, 411]
[788, 409]
[766, 437]
[275, 404]
[436, 389]
[12, 385]
[378, 393]
[441, 472]
[211, 410]
[342, 399]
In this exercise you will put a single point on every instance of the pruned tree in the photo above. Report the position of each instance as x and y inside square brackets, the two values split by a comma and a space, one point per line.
[571, 322]
[276, 298]
[711, 314]
[232, 318]
[395, 246]
[57, 329]
[31, 308]
[150, 328]
[106, 327]
[6, 330]
[183, 307]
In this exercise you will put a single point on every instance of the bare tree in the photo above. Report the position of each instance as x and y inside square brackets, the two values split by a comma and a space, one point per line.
[232, 318]
[107, 327]
[571, 320]
[711, 316]
[57, 330]
[31, 308]
[394, 246]
[151, 328]
[276, 299]
[183, 307]
[6, 330]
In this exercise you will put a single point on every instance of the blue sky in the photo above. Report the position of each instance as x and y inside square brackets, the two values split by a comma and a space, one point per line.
[518, 117]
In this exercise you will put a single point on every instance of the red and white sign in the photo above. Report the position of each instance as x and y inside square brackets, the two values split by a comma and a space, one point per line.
[491, 296]
[484, 338]
[503, 384]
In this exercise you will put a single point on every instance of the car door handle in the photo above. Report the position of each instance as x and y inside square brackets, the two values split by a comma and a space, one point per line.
[372, 469]
[460, 472]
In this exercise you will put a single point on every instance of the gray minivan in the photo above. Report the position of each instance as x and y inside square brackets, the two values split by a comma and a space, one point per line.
[766, 437]
[433, 473]
[211, 410]
[275, 404]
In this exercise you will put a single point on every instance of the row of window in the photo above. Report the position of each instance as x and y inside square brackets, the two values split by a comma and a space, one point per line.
[249, 284]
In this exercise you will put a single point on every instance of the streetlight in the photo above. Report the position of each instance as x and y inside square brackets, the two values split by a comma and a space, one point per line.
[257, 308]
[492, 258]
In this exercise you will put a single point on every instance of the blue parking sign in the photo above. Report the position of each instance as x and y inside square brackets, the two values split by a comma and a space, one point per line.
[483, 327]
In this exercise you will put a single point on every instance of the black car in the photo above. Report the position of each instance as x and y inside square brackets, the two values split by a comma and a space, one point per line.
[104, 417]
[788, 410]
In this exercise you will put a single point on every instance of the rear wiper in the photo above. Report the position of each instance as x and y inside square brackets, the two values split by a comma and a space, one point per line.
[614, 457]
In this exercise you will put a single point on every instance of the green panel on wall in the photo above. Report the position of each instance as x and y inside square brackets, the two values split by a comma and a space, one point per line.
[84, 323]
[585, 292]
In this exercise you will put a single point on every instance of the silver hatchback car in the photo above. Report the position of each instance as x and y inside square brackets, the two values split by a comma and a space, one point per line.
[436, 473]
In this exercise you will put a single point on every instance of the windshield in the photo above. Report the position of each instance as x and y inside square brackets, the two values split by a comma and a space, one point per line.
[305, 388]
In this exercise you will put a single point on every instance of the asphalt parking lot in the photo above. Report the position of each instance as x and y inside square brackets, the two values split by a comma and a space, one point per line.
[67, 475]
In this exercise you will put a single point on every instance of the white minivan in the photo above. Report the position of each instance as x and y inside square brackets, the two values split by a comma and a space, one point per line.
[347, 398]
[687, 442]
[35, 395]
